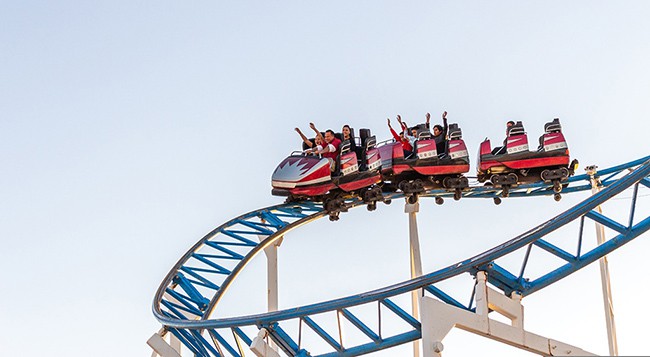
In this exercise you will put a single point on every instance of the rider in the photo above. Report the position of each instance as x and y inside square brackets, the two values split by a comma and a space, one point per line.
[330, 145]
[346, 134]
[501, 149]
[318, 142]
[411, 134]
[439, 132]
[406, 145]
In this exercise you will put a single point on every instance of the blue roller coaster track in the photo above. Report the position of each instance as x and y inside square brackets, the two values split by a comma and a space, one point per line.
[192, 290]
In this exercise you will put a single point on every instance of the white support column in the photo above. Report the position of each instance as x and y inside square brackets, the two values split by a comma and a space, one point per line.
[439, 318]
[271, 253]
[416, 263]
[175, 343]
[161, 348]
[604, 272]
[260, 348]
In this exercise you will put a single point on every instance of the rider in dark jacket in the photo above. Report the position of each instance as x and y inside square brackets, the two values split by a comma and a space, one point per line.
[440, 133]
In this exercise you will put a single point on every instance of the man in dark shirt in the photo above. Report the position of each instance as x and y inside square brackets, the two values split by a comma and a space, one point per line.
[439, 133]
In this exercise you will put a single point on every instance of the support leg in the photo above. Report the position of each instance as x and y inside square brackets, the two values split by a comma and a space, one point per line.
[604, 273]
[160, 347]
[271, 253]
[439, 318]
[416, 263]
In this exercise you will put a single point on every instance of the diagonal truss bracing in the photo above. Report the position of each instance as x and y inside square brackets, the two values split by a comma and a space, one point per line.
[192, 289]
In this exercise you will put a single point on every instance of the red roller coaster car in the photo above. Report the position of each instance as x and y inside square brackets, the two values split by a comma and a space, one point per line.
[426, 168]
[514, 163]
[301, 176]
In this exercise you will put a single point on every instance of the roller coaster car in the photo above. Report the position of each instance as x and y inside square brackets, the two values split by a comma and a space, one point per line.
[301, 176]
[426, 168]
[515, 163]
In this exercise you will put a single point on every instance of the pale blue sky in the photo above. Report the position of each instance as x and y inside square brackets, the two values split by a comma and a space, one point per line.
[128, 130]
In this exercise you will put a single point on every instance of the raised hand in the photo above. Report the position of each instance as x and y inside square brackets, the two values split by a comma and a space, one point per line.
[444, 115]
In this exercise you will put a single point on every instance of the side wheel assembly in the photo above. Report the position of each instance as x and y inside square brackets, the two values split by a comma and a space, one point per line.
[335, 205]
[372, 206]
[439, 200]
[497, 201]
[557, 197]
[334, 217]
[505, 191]
[418, 185]
[557, 187]
[388, 201]
[412, 199]
[457, 194]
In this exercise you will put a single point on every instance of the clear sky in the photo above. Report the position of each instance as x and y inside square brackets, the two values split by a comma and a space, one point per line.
[128, 130]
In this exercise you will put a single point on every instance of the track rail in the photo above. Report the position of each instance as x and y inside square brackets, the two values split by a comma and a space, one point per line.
[192, 289]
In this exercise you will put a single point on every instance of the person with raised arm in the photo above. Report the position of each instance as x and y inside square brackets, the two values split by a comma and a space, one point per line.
[411, 134]
[314, 146]
[406, 144]
[440, 133]
[331, 145]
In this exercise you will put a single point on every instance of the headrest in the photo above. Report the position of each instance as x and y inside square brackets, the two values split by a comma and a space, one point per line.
[454, 132]
[517, 129]
[364, 133]
[370, 143]
[345, 147]
[338, 136]
[420, 127]
[553, 126]
[424, 134]
[305, 146]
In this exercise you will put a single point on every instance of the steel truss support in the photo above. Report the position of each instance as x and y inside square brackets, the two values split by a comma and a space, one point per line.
[604, 271]
[193, 288]
[438, 318]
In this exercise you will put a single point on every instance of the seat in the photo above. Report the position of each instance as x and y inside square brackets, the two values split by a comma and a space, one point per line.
[455, 133]
[345, 147]
[364, 134]
[517, 129]
[549, 128]
[424, 134]
[553, 126]
[368, 142]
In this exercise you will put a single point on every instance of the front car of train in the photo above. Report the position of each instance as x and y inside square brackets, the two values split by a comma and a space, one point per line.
[302, 175]
[355, 173]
